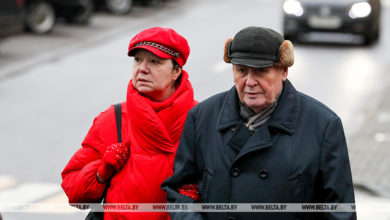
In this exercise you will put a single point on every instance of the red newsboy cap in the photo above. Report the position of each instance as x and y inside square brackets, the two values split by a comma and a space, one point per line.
[163, 42]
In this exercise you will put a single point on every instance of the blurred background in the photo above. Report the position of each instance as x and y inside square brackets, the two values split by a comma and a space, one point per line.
[63, 62]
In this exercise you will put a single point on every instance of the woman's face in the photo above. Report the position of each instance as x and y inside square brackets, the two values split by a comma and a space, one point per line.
[154, 77]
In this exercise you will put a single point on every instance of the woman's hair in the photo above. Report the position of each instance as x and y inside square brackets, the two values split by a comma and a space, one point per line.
[176, 66]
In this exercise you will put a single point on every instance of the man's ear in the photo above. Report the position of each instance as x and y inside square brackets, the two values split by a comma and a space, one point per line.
[285, 73]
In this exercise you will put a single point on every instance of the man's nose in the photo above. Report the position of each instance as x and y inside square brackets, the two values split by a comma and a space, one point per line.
[251, 79]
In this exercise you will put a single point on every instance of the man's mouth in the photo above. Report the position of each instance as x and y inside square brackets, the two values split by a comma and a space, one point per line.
[253, 93]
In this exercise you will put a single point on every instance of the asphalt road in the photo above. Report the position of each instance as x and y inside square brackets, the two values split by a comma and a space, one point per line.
[52, 86]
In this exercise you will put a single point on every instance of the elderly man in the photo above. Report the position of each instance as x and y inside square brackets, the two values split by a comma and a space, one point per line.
[262, 141]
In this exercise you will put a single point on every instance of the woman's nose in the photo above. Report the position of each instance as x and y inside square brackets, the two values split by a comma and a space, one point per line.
[143, 67]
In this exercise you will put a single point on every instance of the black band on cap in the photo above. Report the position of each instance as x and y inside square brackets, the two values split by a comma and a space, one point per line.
[160, 47]
[253, 56]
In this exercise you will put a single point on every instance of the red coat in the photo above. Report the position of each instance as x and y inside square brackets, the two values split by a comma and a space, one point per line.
[154, 130]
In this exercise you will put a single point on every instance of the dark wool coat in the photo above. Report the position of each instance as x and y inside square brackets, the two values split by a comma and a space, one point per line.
[298, 156]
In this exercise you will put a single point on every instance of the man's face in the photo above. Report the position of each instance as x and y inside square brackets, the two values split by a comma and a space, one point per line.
[258, 87]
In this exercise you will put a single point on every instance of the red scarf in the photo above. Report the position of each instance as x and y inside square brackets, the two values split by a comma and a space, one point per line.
[157, 126]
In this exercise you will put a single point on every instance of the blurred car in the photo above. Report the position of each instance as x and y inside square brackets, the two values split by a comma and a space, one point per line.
[151, 3]
[11, 19]
[118, 7]
[121, 7]
[39, 16]
[346, 17]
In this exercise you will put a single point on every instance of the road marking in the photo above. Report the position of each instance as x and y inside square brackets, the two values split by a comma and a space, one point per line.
[28, 192]
[58, 198]
[382, 137]
[364, 198]
[49, 195]
[51, 205]
[221, 67]
[6, 182]
[37, 197]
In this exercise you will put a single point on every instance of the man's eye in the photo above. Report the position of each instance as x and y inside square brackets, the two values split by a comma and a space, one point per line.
[136, 59]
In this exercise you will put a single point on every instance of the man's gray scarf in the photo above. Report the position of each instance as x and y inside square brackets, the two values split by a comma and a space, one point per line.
[254, 120]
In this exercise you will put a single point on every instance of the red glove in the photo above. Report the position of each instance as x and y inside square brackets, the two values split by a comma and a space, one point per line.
[114, 159]
[190, 190]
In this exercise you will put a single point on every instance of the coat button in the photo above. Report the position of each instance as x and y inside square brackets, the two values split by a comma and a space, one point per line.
[235, 172]
[231, 218]
[263, 174]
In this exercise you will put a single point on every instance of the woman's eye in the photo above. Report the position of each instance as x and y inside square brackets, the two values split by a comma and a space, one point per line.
[155, 61]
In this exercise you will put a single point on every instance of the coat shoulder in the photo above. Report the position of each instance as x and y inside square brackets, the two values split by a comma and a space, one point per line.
[105, 118]
[210, 104]
[103, 129]
[317, 108]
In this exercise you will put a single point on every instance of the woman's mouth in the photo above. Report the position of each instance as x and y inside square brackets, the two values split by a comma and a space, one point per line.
[142, 80]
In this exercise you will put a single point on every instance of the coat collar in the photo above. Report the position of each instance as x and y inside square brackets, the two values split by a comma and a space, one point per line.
[283, 118]
[229, 115]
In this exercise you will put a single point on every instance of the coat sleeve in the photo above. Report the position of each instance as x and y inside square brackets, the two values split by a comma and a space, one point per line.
[79, 176]
[185, 171]
[336, 177]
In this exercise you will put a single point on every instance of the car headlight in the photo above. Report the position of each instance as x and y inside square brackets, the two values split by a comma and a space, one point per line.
[293, 7]
[360, 10]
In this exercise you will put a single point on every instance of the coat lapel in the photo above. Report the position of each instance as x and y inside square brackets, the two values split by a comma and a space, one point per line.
[240, 137]
[283, 120]
[229, 115]
[285, 115]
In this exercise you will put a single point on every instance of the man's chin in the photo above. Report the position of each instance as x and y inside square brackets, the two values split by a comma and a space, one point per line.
[254, 102]
[256, 105]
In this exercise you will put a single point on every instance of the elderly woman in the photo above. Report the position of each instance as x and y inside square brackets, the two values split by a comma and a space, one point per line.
[159, 97]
